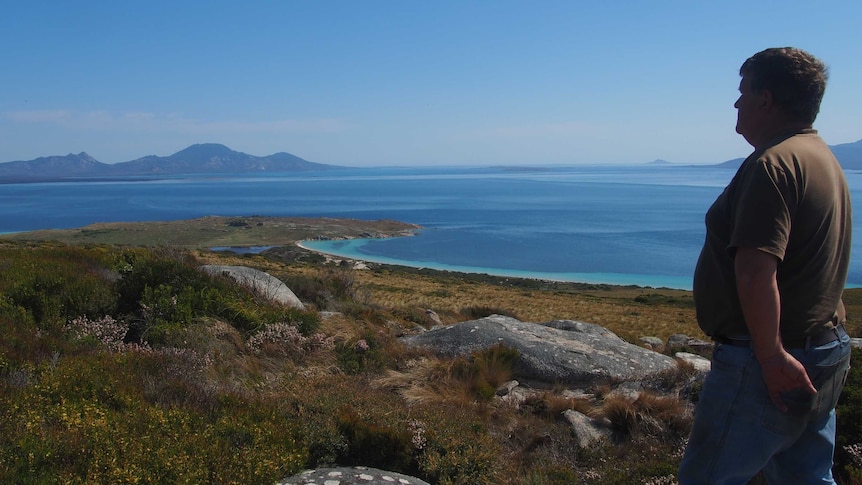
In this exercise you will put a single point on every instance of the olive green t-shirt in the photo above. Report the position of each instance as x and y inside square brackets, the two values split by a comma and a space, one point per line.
[790, 199]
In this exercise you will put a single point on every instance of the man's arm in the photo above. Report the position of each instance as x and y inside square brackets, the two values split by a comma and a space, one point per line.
[757, 287]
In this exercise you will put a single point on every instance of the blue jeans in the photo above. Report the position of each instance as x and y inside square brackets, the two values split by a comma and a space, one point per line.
[738, 431]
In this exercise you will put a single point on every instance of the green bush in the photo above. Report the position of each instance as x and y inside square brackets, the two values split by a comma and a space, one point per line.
[15, 313]
[50, 284]
[307, 322]
[349, 422]
[165, 305]
[647, 462]
[458, 449]
[363, 355]
[149, 270]
[375, 444]
[167, 294]
[311, 290]
[332, 288]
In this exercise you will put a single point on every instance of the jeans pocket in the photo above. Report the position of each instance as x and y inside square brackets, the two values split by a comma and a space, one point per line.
[830, 386]
[827, 368]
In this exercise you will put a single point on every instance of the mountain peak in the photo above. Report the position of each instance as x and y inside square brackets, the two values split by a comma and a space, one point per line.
[83, 156]
[205, 150]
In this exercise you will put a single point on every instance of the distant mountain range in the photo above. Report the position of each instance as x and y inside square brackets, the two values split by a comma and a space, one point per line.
[211, 158]
[849, 155]
[197, 159]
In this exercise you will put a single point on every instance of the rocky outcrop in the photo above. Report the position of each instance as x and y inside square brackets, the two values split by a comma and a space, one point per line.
[432, 318]
[558, 352]
[586, 429]
[653, 343]
[700, 364]
[350, 476]
[680, 341]
[261, 284]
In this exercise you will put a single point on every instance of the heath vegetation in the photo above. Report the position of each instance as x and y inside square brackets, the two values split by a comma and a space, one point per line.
[122, 364]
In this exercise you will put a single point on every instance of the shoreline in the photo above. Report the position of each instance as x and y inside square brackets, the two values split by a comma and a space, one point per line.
[608, 279]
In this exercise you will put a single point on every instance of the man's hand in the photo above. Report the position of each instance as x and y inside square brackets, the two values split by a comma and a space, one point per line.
[781, 373]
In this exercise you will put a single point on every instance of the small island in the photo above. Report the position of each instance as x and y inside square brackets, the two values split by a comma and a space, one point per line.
[214, 231]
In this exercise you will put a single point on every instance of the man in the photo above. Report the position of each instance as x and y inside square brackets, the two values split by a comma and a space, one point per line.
[768, 286]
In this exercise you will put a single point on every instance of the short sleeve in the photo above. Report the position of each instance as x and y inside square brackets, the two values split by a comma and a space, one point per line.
[762, 215]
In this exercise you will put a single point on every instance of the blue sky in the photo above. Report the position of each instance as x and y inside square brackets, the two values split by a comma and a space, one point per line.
[379, 82]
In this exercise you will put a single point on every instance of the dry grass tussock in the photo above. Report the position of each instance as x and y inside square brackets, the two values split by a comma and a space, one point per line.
[422, 381]
[462, 380]
[648, 414]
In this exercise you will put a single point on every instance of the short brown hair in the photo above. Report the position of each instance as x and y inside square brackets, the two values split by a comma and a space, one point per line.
[796, 79]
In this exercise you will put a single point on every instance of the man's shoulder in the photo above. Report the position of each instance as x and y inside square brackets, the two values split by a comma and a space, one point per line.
[803, 148]
[803, 139]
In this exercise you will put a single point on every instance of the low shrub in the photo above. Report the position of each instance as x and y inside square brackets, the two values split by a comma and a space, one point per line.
[286, 340]
[458, 449]
[309, 289]
[105, 331]
[330, 288]
[52, 283]
[367, 354]
[157, 273]
[639, 460]
[375, 444]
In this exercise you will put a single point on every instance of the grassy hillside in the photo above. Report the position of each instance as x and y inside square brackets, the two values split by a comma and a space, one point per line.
[125, 364]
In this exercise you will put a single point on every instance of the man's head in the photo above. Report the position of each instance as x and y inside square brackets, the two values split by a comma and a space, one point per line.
[795, 78]
[780, 90]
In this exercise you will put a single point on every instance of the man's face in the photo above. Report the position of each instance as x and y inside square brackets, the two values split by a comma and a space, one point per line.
[747, 111]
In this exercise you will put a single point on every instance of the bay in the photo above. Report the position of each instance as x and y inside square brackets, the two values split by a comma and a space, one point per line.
[640, 225]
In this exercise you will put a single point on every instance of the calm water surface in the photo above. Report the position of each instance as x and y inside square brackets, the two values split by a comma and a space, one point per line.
[622, 225]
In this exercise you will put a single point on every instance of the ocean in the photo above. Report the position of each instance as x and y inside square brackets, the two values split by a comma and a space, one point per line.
[632, 225]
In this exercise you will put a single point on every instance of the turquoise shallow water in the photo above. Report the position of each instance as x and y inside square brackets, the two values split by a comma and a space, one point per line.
[354, 249]
[638, 225]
